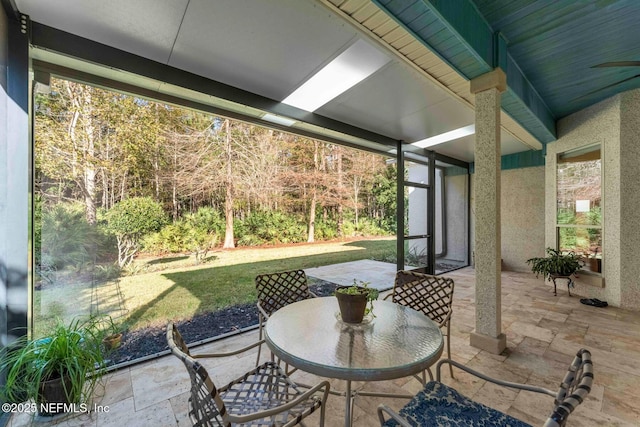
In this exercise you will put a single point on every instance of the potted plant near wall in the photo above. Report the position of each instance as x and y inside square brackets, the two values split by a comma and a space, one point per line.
[595, 261]
[355, 301]
[56, 372]
[556, 263]
[111, 333]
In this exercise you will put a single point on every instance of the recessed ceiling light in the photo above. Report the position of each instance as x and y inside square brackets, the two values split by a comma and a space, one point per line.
[279, 120]
[446, 137]
[349, 68]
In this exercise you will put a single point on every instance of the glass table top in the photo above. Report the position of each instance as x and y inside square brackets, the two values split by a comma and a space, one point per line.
[398, 341]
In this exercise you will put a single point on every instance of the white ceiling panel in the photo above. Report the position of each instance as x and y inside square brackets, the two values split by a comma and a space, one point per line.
[395, 102]
[437, 119]
[463, 148]
[268, 47]
[144, 27]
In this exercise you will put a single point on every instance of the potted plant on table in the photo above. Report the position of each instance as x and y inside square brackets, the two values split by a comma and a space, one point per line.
[58, 372]
[555, 264]
[353, 301]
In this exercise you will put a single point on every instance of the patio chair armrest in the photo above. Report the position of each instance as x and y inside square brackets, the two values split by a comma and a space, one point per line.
[229, 353]
[445, 320]
[392, 414]
[261, 310]
[242, 419]
[509, 384]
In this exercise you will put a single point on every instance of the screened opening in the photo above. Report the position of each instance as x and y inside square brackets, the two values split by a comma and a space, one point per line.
[146, 212]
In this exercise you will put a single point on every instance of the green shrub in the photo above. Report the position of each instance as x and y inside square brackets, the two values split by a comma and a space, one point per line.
[262, 227]
[384, 193]
[196, 233]
[208, 219]
[326, 229]
[172, 238]
[201, 231]
[65, 239]
[130, 220]
[250, 240]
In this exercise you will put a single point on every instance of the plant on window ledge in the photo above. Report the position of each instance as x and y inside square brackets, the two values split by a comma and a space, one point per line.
[595, 261]
[556, 263]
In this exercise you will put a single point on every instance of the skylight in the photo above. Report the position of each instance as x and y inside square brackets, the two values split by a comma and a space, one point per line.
[278, 119]
[349, 68]
[446, 137]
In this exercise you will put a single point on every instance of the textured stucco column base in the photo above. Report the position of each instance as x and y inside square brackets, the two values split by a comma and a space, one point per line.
[487, 343]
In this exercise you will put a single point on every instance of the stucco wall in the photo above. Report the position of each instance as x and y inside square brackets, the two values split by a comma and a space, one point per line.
[630, 199]
[523, 216]
[615, 124]
[522, 202]
[457, 217]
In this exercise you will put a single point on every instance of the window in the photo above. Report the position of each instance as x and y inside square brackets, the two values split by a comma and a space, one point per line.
[579, 205]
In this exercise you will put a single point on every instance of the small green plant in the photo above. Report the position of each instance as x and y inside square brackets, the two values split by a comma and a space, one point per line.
[72, 353]
[359, 288]
[130, 220]
[556, 263]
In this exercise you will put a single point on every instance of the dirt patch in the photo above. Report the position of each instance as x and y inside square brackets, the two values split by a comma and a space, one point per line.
[152, 340]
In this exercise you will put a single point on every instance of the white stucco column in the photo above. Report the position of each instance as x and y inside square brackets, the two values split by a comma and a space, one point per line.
[488, 334]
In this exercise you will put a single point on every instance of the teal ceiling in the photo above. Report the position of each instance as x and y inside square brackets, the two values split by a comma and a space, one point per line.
[556, 44]
[547, 48]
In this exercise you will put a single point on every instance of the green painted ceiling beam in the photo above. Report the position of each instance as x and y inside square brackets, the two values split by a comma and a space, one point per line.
[457, 32]
[525, 159]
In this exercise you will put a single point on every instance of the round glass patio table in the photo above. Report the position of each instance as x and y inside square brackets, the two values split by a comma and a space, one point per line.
[396, 342]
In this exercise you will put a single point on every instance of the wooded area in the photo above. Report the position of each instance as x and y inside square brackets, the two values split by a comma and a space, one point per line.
[96, 148]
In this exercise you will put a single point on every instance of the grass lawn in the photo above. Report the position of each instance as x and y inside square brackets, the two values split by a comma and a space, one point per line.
[175, 288]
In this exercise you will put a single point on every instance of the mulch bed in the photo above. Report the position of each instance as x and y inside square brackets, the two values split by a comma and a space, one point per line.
[152, 340]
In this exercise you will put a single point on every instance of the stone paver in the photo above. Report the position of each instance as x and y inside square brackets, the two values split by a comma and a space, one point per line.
[543, 333]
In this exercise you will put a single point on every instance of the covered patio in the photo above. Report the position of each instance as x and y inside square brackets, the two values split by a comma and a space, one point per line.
[487, 99]
[543, 332]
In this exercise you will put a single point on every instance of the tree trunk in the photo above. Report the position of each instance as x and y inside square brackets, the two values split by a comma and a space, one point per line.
[355, 198]
[174, 183]
[312, 218]
[340, 192]
[228, 200]
[86, 177]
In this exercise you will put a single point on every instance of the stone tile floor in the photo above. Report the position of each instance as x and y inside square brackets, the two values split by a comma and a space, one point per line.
[543, 333]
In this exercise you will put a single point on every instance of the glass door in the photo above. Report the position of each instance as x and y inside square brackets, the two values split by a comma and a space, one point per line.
[433, 212]
[415, 221]
[451, 213]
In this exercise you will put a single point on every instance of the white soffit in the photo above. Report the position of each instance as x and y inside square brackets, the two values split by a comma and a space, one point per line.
[143, 27]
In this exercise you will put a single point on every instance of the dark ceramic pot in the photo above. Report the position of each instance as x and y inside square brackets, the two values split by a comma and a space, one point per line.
[53, 391]
[352, 307]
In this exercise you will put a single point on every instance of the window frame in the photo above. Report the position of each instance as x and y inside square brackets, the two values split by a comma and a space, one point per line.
[558, 226]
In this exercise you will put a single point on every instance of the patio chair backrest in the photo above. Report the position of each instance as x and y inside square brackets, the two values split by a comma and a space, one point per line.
[276, 290]
[574, 388]
[432, 295]
[207, 408]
